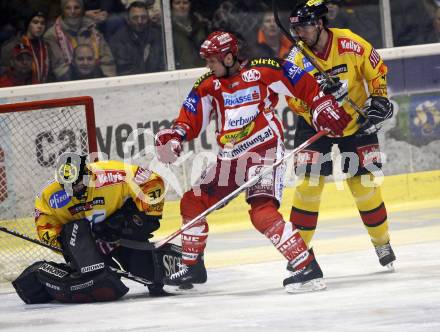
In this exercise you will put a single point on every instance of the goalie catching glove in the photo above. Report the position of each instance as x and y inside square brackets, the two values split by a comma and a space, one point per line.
[328, 115]
[376, 109]
[168, 144]
[126, 223]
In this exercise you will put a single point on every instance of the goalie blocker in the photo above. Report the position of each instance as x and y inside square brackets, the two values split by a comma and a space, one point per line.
[88, 277]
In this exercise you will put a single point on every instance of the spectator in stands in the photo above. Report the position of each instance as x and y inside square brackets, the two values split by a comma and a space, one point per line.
[270, 37]
[84, 65]
[137, 47]
[20, 10]
[20, 70]
[7, 29]
[155, 11]
[435, 35]
[363, 18]
[189, 32]
[107, 14]
[337, 17]
[431, 6]
[71, 29]
[408, 28]
[33, 39]
[238, 17]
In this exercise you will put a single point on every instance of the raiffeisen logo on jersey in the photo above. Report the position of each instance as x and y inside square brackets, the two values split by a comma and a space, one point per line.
[241, 97]
[59, 199]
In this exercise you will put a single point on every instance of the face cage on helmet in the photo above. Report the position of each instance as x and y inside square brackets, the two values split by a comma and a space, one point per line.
[312, 22]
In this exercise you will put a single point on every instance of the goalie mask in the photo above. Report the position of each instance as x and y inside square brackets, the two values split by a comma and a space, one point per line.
[71, 172]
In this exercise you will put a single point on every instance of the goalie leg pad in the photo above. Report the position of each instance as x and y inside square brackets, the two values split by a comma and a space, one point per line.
[79, 247]
[154, 265]
[66, 287]
[167, 260]
[29, 288]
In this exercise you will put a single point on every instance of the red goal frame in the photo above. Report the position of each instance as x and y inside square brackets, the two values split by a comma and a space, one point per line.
[55, 103]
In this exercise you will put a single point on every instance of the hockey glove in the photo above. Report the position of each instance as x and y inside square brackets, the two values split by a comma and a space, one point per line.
[328, 115]
[377, 110]
[334, 87]
[169, 144]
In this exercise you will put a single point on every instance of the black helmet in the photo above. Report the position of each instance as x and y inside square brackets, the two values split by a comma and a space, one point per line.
[308, 13]
[71, 170]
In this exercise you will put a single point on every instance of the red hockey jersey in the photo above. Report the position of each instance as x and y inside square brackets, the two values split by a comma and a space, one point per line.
[243, 104]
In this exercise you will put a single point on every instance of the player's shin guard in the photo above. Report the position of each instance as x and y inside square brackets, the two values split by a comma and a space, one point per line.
[192, 269]
[374, 216]
[306, 201]
[306, 275]
[194, 241]
[289, 243]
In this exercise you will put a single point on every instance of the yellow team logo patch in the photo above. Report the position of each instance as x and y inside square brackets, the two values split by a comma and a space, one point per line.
[68, 173]
[314, 3]
[236, 136]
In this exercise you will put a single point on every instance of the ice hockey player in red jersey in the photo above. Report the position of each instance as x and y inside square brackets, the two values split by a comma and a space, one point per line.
[241, 95]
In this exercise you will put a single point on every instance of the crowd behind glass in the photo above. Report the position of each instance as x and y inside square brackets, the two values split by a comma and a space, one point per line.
[51, 40]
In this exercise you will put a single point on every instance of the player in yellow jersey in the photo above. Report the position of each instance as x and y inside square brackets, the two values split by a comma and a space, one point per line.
[96, 213]
[357, 69]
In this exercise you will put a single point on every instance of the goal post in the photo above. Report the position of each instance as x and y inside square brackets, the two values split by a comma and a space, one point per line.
[32, 136]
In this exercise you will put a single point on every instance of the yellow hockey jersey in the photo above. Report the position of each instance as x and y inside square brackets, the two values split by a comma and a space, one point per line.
[353, 60]
[111, 183]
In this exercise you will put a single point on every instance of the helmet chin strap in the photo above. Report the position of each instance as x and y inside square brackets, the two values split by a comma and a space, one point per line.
[228, 68]
[317, 37]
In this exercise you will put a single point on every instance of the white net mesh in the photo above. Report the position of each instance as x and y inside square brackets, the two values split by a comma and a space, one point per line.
[30, 142]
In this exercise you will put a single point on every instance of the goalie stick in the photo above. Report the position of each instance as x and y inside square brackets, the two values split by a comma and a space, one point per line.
[326, 76]
[119, 272]
[236, 192]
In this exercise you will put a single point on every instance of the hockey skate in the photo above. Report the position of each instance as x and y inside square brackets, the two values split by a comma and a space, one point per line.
[306, 279]
[386, 255]
[188, 275]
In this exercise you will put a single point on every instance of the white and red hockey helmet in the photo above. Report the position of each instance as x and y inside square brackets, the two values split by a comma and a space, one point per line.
[219, 44]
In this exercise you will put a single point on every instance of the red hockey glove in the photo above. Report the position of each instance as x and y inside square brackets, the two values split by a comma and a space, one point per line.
[169, 144]
[328, 115]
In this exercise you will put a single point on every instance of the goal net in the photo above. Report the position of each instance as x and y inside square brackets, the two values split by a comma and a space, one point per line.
[32, 136]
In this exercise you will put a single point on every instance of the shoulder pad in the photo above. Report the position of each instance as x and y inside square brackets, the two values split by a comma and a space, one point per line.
[265, 62]
[49, 187]
[202, 78]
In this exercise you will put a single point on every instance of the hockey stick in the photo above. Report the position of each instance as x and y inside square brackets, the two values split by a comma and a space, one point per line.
[237, 191]
[119, 272]
[309, 58]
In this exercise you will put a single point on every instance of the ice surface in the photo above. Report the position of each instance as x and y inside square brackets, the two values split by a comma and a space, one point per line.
[361, 294]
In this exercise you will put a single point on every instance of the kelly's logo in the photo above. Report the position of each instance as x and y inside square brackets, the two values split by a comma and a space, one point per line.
[109, 177]
[346, 45]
